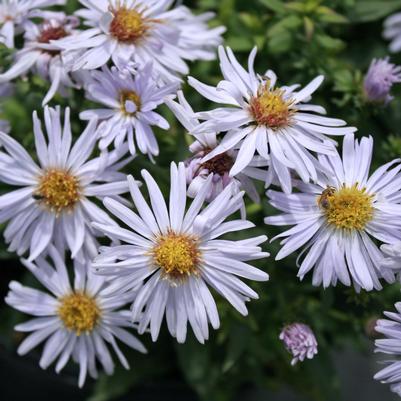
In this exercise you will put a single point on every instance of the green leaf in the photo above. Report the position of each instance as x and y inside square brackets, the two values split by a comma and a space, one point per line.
[309, 27]
[372, 10]
[251, 21]
[240, 43]
[274, 5]
[326, 14]
[280, 43]
[329, 42]
[297, 6]
[288, 23]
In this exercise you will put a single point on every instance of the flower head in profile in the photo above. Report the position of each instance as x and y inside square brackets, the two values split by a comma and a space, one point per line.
[174, 255]
[392, 32]
[300, 341]
[54, 199]
[380, 78]
[129, 108]
[141, 31]
[392, 253]
[275, 122]
[390, 345]
[5, 91]
[41, 56]
[198, 172]
[76, 322]
[15, 13]
[339, 218]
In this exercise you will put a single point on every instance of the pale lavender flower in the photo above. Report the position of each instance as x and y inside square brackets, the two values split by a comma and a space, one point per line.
[141, 31]
[41, 55]
[15, 13]
[278, 123]
[78, 322]
[4, 126]
[129, 107]
[55, 199]
[391, 345]
[5, 91]
[341, 219]
[300, 341]
[380, 78]
[175, 254]
[197, 171]
[392, 32]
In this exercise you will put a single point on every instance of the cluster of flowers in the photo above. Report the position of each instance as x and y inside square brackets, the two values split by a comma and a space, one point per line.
[163, 257]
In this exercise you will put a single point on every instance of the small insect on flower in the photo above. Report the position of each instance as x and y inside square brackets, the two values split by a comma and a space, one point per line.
[54, 203]
[324, 199]
[336, 218]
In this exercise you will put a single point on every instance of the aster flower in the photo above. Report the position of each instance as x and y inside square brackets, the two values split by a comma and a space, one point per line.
[392, 253]
[41, 55]
[130, 104]
[5, 91]
[380, 78]
[175, 255]
[392, 32]
[197, 172]
[4, 126]
[15, 13]
[300, 341]
[54, 201]
[75, 322]
[273, 121]
[141, 31]
[338, 218]
[390, 345]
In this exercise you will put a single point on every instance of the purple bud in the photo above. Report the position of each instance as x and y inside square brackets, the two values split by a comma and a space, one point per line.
[379, 79]
[300, 341]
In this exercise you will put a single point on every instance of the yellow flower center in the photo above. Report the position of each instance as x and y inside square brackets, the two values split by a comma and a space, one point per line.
[79, 313]
[58, 190]
[269, 107]
[347, 208]
[177, 255]
[129, 96]
[128, 25]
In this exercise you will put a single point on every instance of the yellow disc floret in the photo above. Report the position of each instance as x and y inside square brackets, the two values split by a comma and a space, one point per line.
[128, 25]
[270, 108]
[58, 190]
[79, 312]
[132, 96]
[177, 255]
[347, 208]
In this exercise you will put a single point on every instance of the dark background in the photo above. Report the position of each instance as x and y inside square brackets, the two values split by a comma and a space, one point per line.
[244, 360]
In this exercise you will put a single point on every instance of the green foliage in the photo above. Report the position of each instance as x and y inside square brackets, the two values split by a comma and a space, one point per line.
[297, 39]
[372, 10]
